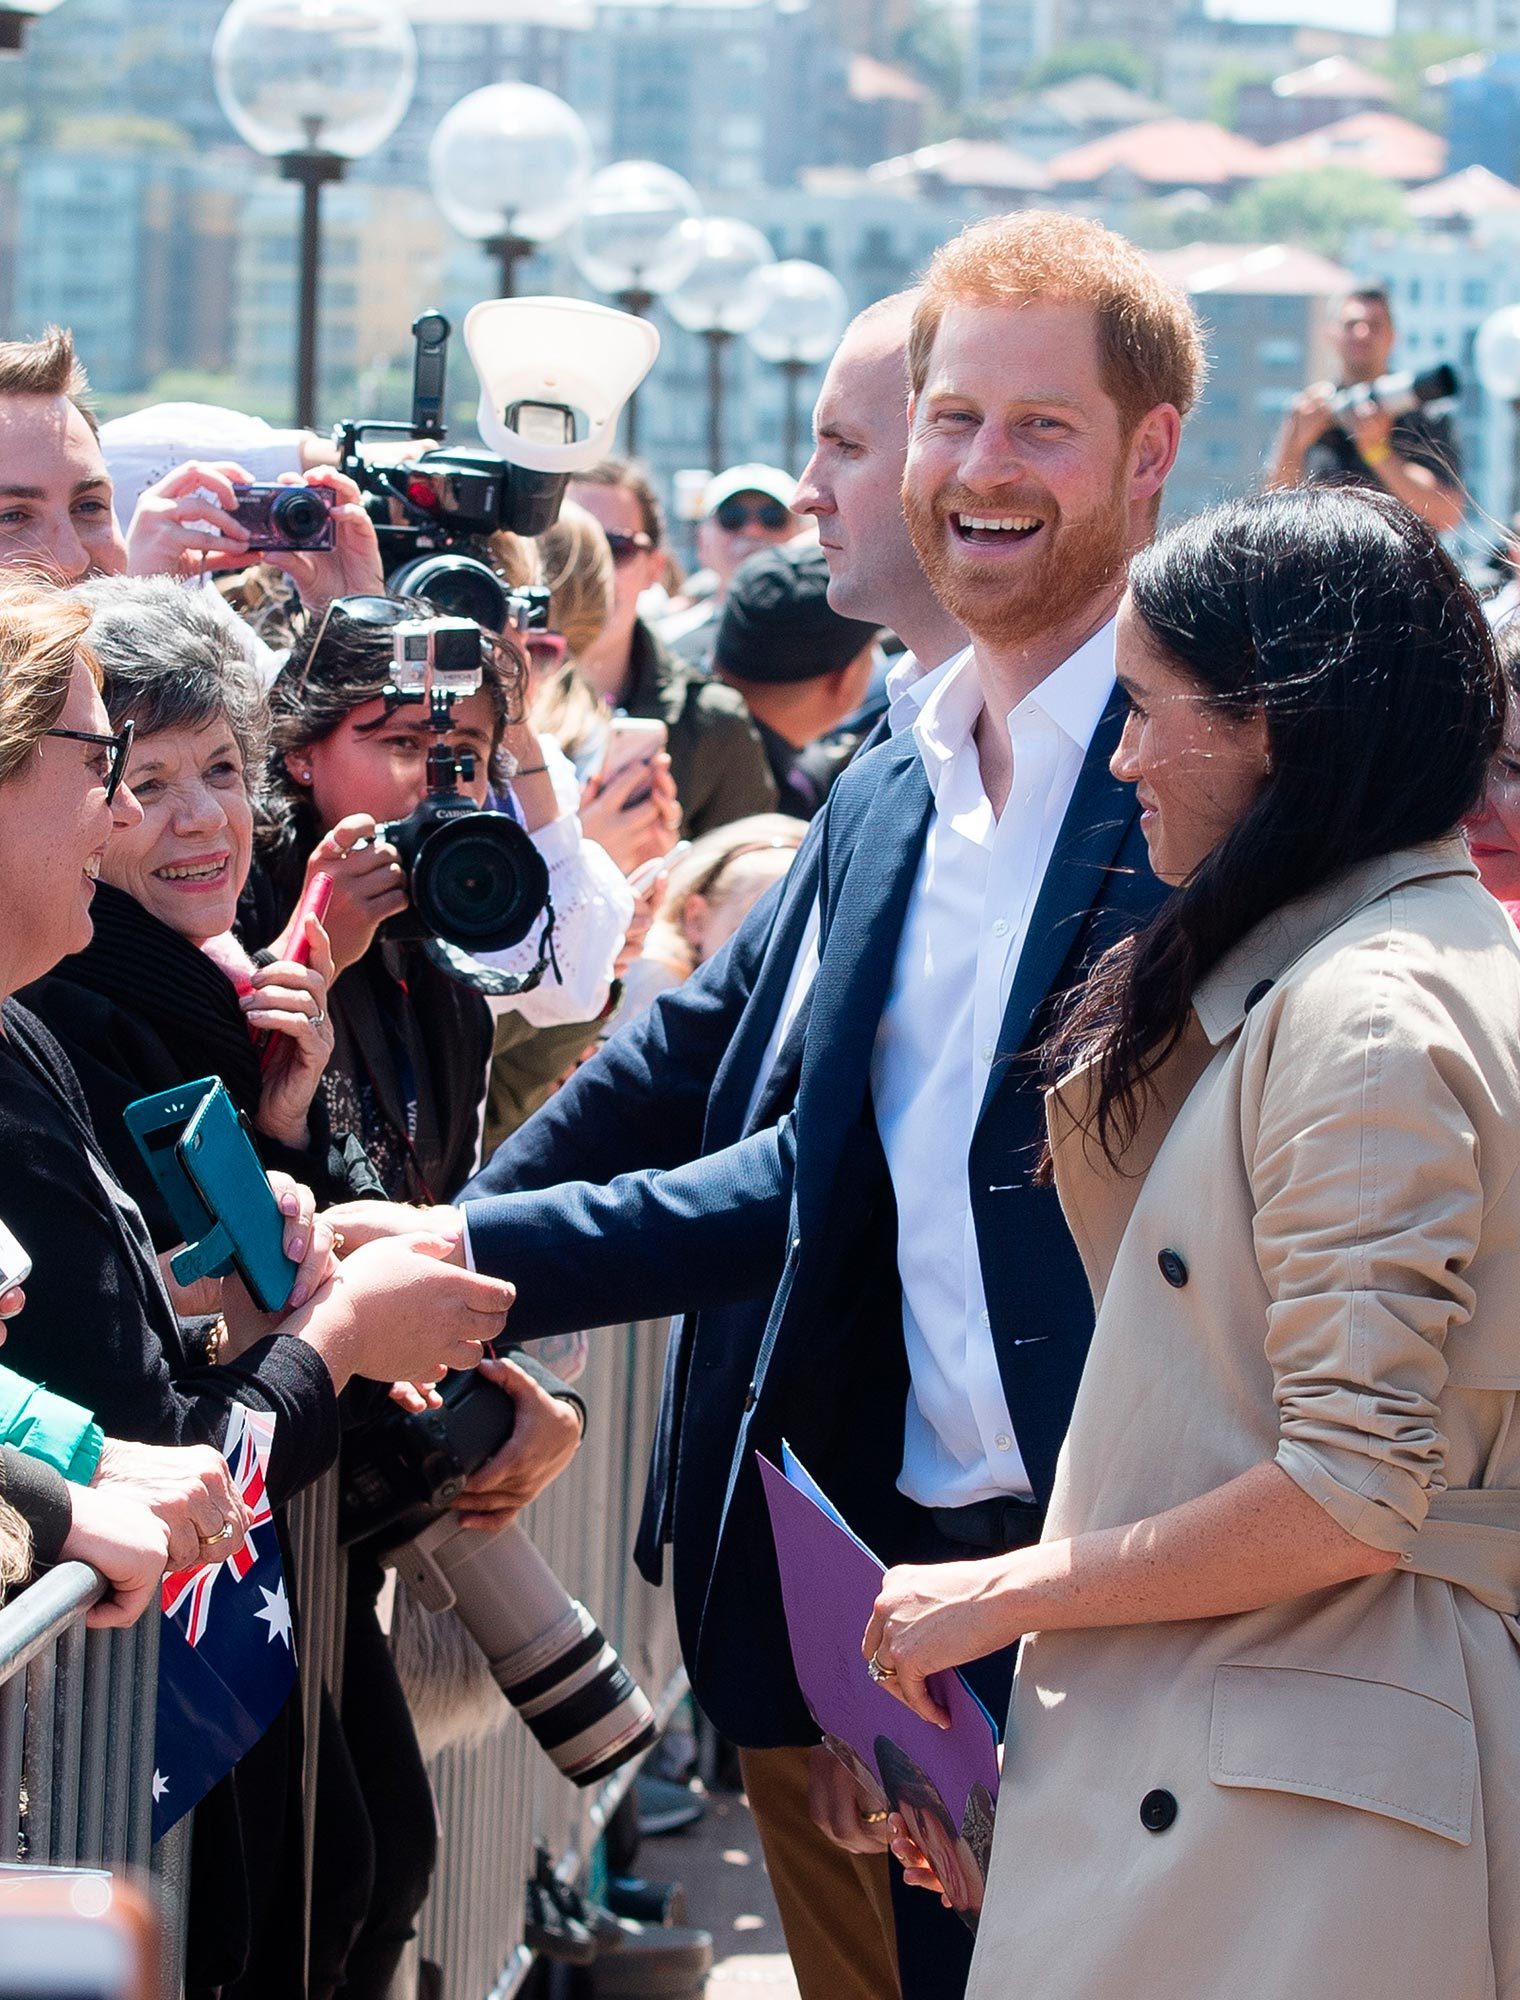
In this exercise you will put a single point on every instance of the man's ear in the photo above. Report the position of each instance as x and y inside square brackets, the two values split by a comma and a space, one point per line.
[1153, 450]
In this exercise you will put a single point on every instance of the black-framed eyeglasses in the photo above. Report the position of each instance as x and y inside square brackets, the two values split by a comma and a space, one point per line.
[119, 745]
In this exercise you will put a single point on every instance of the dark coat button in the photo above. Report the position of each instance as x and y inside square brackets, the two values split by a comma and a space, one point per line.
[1258, 992]
[1157, 1811]
[1173, 1269]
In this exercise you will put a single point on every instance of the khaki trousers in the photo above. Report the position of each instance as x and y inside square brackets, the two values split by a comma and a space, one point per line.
[836, 1908]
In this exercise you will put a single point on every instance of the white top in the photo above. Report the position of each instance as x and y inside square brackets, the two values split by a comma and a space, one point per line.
[593, 907]
[967, 920]
[909, 686]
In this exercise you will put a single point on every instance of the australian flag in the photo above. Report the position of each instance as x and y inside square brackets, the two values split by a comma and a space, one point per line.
[226, 1658]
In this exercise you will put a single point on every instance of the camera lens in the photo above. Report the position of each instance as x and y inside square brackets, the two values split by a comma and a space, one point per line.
[460, 586]
[297, 516]
[479, 882]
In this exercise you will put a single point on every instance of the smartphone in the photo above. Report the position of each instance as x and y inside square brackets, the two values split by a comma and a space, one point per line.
[222, 1167]
[319, 893]
[631, 740]
[15, 1265]
[643, 879]
[204, 1165]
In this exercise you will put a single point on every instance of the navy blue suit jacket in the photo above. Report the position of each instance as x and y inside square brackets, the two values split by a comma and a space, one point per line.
[801, 1214]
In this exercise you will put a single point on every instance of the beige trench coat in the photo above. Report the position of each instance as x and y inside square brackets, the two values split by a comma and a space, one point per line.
[1315, 1257]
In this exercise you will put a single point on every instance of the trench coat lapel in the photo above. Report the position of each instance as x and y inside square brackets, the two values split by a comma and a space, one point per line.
[1098, 818]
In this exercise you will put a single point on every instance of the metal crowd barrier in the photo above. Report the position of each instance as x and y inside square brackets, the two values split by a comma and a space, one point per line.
[77, 1707]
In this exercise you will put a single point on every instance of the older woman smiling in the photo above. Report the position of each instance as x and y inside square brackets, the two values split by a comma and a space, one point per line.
[163, 993]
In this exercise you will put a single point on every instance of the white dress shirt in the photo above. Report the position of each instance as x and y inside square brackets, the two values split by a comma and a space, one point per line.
[909, 686]
[967, 920]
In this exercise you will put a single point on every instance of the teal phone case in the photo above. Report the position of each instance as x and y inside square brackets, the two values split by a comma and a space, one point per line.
[207, 1170]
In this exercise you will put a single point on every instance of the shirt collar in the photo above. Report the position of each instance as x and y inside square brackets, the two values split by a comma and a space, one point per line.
[1073, 697]
[909, 685]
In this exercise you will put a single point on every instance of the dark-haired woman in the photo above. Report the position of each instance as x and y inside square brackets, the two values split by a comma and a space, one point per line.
[1493, 830]
[1265, 1736]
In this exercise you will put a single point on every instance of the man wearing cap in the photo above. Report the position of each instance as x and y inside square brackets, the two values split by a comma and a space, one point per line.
[745, 509]
[802, 669]
[716, 757]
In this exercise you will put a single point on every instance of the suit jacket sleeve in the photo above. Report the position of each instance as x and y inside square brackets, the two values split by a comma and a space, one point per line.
[707, 1234]
[641, 1101]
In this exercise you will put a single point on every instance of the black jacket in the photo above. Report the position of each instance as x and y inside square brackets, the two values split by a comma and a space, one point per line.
[140, 1010]
[716, 756]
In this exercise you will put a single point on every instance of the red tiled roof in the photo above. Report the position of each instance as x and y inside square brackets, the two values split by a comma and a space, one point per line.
[1171, 152]
[1272, 268]
[972, 163]
[871, 80]
[1379, 142]
[1474, 192]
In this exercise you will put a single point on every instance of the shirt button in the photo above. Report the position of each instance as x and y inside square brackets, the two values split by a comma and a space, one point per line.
[987, 1052]
[986, 1318]
[1173, 1269]
[1001, 927]
[1003, 1441]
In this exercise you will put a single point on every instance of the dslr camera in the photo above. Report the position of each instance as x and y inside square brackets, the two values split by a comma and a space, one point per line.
[546, 1652]
[474, 878]
[554, 376]
[287, 517]
[1398, 394]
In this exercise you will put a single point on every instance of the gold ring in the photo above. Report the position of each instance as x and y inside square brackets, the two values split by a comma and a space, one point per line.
[879, 1672]
[873, 1818]
[338, 1240]
[223, 1534]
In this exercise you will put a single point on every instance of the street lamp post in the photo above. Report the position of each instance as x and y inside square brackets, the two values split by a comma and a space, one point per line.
[719, 299]
[803, 314]
[313, 86]
[628, 240]
[508, 165]
[1496, 355]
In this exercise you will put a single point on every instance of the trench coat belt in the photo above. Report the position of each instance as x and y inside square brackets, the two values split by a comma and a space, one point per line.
[1471, 1538]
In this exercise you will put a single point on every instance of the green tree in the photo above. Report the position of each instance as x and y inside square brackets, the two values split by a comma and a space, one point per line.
[1319, 209]
[930, 49]
[1088, 59]
[1225, 86]
[1404, 64]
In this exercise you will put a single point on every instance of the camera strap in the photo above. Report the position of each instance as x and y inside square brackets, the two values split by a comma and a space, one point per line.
[487, 979]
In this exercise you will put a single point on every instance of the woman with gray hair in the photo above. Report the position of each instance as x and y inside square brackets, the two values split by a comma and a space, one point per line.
[164, 993]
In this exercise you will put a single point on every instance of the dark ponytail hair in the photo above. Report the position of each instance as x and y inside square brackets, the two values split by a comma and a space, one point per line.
[1335, 613]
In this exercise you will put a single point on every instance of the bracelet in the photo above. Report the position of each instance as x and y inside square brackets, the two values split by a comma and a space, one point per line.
[1376, 454]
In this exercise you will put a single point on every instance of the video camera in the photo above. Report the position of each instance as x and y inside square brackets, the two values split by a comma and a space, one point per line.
[554, 375]
[474, 878]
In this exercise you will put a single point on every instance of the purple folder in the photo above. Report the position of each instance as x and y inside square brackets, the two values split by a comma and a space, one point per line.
[943, 1781]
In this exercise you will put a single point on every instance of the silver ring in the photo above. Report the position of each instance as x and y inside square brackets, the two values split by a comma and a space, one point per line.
[878, 1672]
[319, 1017]
[224, 1533]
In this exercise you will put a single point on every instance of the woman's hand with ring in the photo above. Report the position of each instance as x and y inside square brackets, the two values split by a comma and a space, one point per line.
[930, 1617]
[288, 1003]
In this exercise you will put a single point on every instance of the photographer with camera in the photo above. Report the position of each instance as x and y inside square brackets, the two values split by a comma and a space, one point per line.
[1372, 427]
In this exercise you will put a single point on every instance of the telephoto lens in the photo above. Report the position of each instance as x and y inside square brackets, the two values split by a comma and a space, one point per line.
[474, 878]
[546, 1652]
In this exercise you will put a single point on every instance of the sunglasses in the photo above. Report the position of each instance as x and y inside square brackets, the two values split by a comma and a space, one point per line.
[119, 746]
[731, 515]
[625, 547]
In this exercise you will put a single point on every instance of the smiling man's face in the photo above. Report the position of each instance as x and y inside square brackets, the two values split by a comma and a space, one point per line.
[55, 493]
[1019, 473]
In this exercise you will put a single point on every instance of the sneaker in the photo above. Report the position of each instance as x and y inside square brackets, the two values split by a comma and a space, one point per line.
[664, 1807]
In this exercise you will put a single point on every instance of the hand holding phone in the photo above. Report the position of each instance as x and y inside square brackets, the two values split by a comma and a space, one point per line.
[631, 739]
